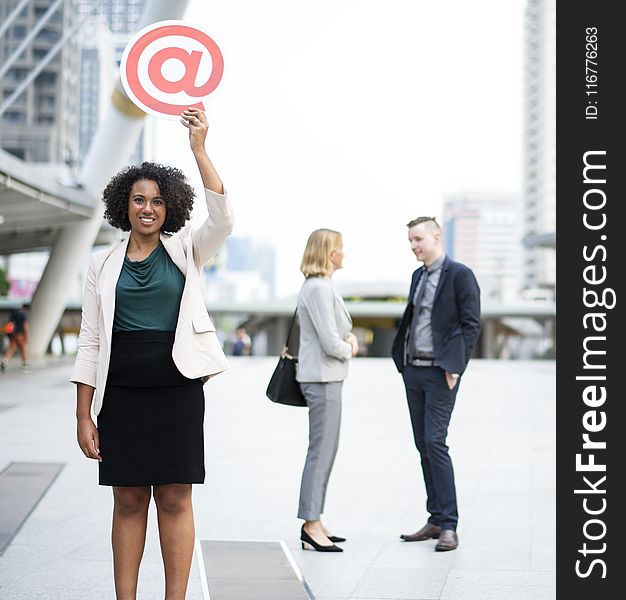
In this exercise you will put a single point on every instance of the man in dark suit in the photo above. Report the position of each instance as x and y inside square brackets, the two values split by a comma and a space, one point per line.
[431, 350]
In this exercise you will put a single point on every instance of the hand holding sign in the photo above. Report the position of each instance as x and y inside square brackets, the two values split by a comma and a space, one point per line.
[170, 66]
[195, 120]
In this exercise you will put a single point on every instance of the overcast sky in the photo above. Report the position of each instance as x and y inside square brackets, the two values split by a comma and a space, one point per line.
[357, 115]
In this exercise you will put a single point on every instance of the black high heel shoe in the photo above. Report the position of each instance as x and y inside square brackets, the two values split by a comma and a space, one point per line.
[309, 542]
[335, 539]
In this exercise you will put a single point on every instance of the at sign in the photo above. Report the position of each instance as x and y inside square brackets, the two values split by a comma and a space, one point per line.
[169, 66]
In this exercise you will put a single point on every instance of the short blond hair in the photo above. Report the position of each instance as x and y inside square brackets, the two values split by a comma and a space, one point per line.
[432, 225]
[316, 257]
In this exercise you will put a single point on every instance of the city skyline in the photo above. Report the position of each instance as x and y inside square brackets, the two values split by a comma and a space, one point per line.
[419, 147]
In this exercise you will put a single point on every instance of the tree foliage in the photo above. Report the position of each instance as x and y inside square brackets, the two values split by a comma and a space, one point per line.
[4, 283]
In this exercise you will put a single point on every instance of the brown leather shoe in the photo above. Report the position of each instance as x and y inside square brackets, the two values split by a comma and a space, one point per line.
[448, 540]
[425, 533]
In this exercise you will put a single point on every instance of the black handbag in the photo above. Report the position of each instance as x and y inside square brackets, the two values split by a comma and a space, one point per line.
[283, 387]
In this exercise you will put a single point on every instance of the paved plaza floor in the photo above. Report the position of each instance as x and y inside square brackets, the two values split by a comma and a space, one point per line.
[502, 442]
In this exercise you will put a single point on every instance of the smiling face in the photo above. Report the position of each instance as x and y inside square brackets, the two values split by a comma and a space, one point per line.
[146, 208]
[425, 240]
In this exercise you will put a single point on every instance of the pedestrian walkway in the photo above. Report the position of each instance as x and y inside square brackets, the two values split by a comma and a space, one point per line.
[22, 485]
[502, 441]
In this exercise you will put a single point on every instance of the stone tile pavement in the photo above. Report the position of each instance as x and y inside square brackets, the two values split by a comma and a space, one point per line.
[502, 443]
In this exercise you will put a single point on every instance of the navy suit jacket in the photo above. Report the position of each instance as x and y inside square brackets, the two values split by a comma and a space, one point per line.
[455, 318]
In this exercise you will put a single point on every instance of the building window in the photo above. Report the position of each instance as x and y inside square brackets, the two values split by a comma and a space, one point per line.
[18, 32]
[17, 152]
[14, 117]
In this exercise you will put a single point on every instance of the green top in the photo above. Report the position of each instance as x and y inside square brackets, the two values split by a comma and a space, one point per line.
[148, 293]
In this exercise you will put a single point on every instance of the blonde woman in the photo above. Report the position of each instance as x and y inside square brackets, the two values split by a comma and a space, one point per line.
[326, 346]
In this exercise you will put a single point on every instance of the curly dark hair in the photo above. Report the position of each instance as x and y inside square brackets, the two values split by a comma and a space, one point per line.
[175, 190]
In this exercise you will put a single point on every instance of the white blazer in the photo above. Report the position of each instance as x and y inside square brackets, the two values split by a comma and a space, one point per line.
[197, 351]
[324, 326]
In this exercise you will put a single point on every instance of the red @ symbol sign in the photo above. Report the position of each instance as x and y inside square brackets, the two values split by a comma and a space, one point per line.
[169, 66]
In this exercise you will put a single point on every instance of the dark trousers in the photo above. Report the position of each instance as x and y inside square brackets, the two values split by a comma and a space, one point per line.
[430, 404]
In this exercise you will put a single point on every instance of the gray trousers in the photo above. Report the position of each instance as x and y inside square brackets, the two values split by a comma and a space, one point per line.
[324, 400]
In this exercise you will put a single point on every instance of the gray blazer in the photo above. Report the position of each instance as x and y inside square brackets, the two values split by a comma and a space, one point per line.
[324, 327]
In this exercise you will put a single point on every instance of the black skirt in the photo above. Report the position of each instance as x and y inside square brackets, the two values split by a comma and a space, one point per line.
[151, 421]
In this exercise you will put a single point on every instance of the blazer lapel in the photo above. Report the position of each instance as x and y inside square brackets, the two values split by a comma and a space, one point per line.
[111, 273]
[418, 276]
[174, 247]
[444, 273]
[345, 308]
[409, 305]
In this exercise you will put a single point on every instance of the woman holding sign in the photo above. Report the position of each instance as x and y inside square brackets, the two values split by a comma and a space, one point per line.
[146, 347]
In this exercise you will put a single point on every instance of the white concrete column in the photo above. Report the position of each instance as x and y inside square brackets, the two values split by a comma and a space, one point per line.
[66, 261]
[488, 335]
[109, 152]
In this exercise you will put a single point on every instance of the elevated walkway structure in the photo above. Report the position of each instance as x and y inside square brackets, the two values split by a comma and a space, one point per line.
[35, 206]
[377, 322]
[378, 319]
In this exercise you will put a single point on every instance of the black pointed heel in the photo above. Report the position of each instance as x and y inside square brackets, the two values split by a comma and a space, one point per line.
[309, 543]
[335, 539]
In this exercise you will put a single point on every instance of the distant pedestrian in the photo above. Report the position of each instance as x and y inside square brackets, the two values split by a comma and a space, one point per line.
[326, 345]
[242, 344]
[433, 345]
[146, 347]
[18, 337]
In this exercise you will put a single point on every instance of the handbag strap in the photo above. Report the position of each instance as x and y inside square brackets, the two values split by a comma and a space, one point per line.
[293, 321]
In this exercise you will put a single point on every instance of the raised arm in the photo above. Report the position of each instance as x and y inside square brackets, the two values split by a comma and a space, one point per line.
[208, 238]
[195, 120]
